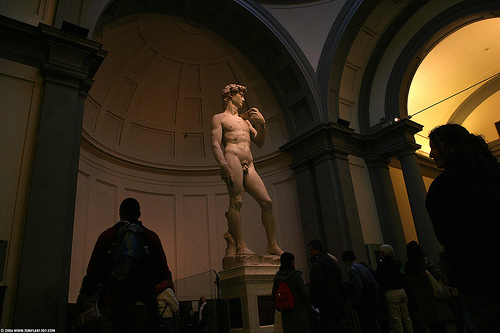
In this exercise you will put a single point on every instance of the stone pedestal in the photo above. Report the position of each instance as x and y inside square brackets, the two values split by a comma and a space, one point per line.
[247, 281]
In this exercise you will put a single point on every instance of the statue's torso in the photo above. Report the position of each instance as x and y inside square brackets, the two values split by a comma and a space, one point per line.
[236, 137]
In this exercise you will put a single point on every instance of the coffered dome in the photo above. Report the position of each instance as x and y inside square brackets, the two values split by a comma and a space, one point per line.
[158, 88]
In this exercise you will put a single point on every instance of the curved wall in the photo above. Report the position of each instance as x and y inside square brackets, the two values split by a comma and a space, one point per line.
[156, 92]
[185, 209]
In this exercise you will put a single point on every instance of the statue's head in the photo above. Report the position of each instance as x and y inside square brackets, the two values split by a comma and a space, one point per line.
[229, 91]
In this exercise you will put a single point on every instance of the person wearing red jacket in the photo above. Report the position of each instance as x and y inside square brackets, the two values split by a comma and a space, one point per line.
[130, 308]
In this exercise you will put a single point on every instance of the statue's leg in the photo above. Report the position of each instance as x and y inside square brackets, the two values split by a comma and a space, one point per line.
[231, 249]
[256, 188]
[235, 201]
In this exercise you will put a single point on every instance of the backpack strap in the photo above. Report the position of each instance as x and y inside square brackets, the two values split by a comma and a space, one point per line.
[296, 273]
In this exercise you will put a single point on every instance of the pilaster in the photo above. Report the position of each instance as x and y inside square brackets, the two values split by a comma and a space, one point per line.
[398, 139]
[327, 199]
[67, 63]
[387, 207]
[417, 192]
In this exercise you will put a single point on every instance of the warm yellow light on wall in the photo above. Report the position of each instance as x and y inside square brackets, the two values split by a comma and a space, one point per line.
[455, 69]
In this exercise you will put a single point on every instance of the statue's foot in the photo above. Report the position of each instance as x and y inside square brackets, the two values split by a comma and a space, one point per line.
[245, 251]
[274, 249]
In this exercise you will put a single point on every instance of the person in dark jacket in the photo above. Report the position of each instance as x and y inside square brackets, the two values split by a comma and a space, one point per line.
[462, 203]
[391, 282]
[364, 292]
[325, 285]
[299, 319]
[131, 308]
[205, 319]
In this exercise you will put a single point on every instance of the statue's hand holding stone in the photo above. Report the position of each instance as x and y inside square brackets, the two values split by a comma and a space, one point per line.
[255, 115]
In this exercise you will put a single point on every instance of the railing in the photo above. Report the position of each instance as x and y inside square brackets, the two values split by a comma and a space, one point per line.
[206, 284]
[193, 287]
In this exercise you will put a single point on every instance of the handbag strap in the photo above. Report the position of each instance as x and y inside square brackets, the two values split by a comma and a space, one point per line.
[426, 268]
[164, 309]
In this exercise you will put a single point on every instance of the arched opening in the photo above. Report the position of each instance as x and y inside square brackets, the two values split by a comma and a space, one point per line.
[376, 78]
[457, 81]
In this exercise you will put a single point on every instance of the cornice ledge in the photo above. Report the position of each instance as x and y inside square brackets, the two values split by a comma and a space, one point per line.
[322, 133]
[69, 39]
[114, 157]
[495, 148]
[326, 138]
[393, 139]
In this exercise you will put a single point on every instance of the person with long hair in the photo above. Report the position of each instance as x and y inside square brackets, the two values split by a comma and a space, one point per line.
[300, 318]
[435, 313]
[462, 203]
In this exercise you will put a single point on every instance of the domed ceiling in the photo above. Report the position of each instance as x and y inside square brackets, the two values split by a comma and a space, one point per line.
[158, 88]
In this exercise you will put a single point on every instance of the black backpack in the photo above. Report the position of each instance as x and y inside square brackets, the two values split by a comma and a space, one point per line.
[129, 257]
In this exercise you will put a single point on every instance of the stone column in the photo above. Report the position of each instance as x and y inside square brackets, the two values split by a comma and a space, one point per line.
[387, 206]
[42, 290]
[309, 203]
[326, 193]
[338, 202]
[417, 192]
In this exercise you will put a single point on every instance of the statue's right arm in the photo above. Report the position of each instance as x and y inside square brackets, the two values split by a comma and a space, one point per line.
[217, 148]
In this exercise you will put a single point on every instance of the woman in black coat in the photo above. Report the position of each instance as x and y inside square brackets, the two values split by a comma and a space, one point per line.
[300, 318]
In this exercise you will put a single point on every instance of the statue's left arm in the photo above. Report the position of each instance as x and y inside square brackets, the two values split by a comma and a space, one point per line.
[258, 136]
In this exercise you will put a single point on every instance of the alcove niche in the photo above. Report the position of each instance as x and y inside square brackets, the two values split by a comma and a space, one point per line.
[147, 134]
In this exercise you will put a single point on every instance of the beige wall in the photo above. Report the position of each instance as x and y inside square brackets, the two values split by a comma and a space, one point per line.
[30, 11]
[365, 201]
[403, 205]
[187, 212]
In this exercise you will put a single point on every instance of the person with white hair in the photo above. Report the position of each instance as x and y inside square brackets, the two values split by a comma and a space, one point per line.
[391, 282]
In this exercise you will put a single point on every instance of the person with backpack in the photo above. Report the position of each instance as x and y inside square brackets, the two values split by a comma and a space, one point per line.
[126, 265]
[290, 296]
[364, 292]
